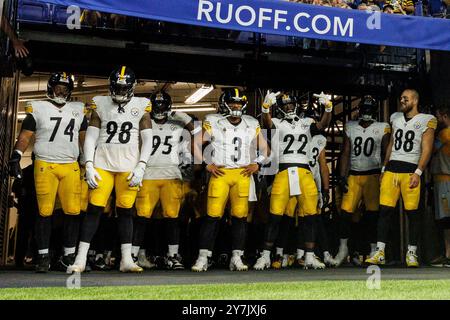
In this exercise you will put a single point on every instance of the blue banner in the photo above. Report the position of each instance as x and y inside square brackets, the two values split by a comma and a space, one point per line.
[286, 18]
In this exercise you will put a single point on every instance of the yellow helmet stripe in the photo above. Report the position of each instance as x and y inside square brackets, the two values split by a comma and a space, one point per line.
[122, 72]
[237, 92]
[64, 75]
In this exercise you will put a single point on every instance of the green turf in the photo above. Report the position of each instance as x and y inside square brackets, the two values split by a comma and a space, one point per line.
[390, 289]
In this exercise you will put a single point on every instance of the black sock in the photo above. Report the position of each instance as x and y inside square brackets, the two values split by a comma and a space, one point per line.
[172, 231]
[322, 235]
[125, 225]
[310, 229]
[271, 231]
[301, 233]
[384, 223]
[139, 227]
[345, 225]
[238, 233]
[285, 230]
[371, 218]
[208, 232]
[42, 231]
[414, 226]
[71, 230]
[90, 223]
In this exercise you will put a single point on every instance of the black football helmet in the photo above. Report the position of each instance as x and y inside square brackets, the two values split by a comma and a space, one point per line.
[232, 96]
[286, 107]
[161, 105]
[122, 82]
[368, 108]
[65, 83]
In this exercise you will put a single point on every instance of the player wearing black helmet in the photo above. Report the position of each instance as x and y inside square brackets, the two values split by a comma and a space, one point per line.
[58, 126]
[365, 143]
[163, 179]
[231, 157]
[115, 160]
[291, 140]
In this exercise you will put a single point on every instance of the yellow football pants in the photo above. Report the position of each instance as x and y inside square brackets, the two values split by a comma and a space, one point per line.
[52, 179]
[125, 195]
[231, 185]
[308, 199]
[394, 184]
[169, 192]
[366, 187]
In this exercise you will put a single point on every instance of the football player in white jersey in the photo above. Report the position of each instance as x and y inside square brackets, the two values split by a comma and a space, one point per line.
[365, 144]
[294, 178]
[408, 153]
[58, 126]
[163, 179]
[114, 160]
[231, 159]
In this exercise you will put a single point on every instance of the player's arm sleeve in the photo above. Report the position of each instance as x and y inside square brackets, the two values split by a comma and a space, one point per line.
[90, 142]
[29, 123]
[147, 145]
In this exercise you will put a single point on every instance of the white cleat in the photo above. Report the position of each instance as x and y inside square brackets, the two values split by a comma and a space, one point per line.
[341, 256]
[78, 266]
[143, 262]
[129, 266]
[329, 261]
[201, 264]
[313, 262]
[262, 263]
[236, 264]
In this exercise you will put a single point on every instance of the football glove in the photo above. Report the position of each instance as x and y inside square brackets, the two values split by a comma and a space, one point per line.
[269, 100]
[343, 184]
[137, 175]
[325, 100]
[14, 165]
[92, 176]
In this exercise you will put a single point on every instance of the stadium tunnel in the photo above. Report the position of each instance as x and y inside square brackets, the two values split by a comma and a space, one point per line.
[182, 58]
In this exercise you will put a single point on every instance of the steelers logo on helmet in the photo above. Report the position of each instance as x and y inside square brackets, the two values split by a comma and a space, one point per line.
[232, 103]
[122, 82]
[287, 107]
[59, 87]
[161, 105]
[368, 108]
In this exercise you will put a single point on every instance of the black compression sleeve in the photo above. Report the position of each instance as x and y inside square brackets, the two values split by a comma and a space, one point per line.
[29, 123]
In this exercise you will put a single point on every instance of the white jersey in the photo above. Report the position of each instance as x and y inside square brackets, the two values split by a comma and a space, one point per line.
[169, 140]
[365, 145]
[231, 146]
[407, 135]
[118, 143]
[291, 139]
[315, 147]
[57, 130]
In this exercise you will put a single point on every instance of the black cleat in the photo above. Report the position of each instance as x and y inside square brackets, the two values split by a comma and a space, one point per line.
[100, 265]
[65, 261]
[43, 263]
[174, 263]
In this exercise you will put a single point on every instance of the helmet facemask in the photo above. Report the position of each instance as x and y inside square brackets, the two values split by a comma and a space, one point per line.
[236, 113]
[287, 107]
[122, 93]
[59, 94]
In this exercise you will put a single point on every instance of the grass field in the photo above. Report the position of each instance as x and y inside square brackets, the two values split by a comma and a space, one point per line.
[390, 289]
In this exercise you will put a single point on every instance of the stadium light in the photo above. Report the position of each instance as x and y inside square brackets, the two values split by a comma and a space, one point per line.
[199, 94]
[199, 107]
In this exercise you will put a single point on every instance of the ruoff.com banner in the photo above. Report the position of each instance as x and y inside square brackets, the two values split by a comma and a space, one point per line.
[286, 18]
